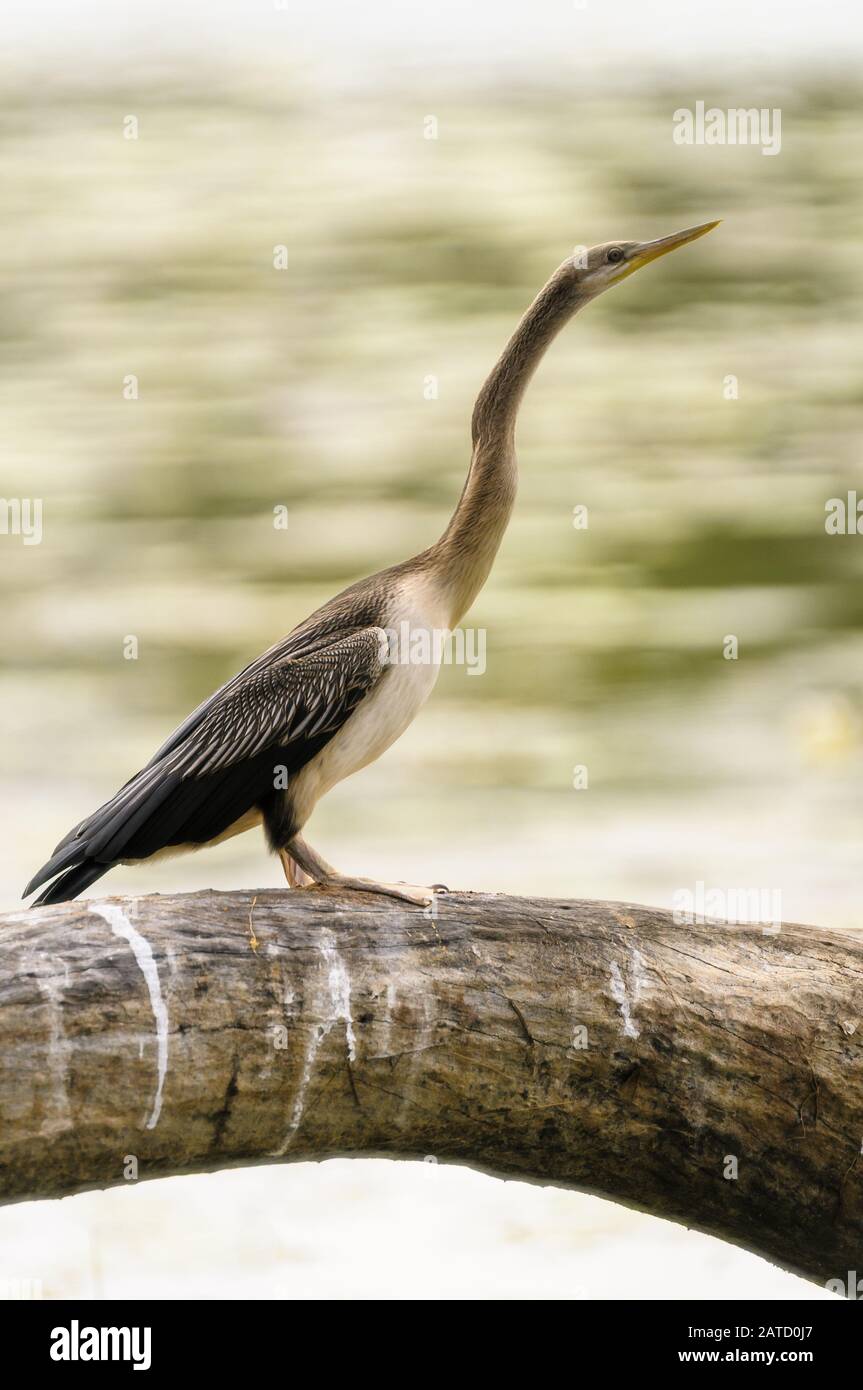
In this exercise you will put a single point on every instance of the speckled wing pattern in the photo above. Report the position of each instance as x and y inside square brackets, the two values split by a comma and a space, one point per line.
[221, 762]
[284, 703]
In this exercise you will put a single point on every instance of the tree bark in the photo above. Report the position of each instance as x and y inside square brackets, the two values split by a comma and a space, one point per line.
[705, 1073]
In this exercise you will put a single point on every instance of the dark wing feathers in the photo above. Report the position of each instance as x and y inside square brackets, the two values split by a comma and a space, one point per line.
[220, 763]
[71, 883]
[283, 703]
[325, 631]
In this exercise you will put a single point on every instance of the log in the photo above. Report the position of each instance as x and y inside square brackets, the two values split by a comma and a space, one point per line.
[706, 1073]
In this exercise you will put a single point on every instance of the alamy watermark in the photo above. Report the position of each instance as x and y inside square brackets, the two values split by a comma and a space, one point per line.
[22, 516]
[844, 515]
[407, 645]
[851, 1288]
[737, 126]
[701, 905]
[77, 1343]
[21, 1289]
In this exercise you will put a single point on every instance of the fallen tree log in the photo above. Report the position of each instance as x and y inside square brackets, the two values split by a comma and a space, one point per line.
[706, 1073]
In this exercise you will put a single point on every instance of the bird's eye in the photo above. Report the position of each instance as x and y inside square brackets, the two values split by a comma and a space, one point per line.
[615, 254]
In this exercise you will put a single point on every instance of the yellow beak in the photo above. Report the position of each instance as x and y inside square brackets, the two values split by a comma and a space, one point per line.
[652, 250]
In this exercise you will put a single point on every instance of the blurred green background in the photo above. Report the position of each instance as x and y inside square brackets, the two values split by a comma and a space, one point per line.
[411, 258]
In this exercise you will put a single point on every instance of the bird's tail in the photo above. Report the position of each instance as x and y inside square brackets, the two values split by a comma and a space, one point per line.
[76, 872]
[70, 884]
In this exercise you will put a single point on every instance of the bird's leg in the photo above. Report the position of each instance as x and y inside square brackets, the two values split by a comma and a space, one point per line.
[320, 872]
[297, 877]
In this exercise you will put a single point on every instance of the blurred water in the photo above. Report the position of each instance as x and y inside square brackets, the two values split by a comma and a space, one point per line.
[411, 259]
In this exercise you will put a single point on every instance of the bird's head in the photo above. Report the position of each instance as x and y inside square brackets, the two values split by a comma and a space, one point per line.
[599, 267]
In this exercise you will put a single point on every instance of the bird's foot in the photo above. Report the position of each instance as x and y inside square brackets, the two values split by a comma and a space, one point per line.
[404, 892]
[299, 858]
[296, 877]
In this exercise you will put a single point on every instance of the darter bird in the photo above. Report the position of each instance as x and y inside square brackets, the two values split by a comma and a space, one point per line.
[328, 699]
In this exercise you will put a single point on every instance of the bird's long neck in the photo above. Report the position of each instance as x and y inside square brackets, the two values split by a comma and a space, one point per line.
[465, 553]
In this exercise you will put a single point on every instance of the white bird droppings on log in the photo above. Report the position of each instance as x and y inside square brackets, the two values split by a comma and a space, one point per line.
[621, 999]
[120, 925]
[340, 988]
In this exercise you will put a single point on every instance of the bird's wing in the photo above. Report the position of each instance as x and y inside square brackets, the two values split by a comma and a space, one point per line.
[277, 713]
[289, 649]
[282, 704]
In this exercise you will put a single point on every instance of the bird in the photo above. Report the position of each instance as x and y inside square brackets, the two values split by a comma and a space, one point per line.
[329, 698]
